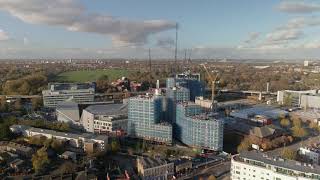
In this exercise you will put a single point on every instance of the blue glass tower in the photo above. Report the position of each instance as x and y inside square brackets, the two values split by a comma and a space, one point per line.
[145, 119]
[197, 129]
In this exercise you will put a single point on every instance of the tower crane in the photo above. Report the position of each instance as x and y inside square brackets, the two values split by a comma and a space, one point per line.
[213, 85]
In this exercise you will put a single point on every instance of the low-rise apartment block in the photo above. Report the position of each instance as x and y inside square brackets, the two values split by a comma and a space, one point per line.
[154, 168]
[253, 165]
[98, 142]
[109, 119]
[59, 92]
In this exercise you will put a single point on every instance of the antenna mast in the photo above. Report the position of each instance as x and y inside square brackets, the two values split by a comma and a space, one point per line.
[176, 51]
[150, 76]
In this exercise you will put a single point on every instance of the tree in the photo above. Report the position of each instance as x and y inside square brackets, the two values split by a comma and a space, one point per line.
[36, 103]
[244, 145]
[266, 145]
[67, 168]
[212, 177]
[287, 153]
[40, 159]
[17, 105]
[57, 146]
[5, 133]
[285, 122]
[115, 145]
[296, 121]
[3, 104]
[299, 132]
[314, 125]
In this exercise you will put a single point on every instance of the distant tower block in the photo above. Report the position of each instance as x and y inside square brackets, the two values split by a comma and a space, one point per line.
[306, 63]
[268, 85]
[158, 84]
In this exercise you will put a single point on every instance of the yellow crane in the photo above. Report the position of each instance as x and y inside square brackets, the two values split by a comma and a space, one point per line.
[213, 85]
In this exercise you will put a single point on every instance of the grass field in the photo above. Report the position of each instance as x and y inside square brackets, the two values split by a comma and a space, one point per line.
[91, 75]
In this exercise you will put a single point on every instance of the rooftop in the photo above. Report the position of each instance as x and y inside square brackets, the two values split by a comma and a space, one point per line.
[148, 162]
[279, 162]
[108, 109]
[67, 105]
[87, 136]
[16, 146]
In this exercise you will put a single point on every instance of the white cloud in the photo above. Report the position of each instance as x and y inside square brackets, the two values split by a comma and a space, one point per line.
[283, 35]
[73, 16]
[3, 36]
[252, 37]
[298, 7]
[25, 41]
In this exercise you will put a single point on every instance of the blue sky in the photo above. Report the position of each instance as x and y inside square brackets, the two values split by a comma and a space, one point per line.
[252, 29]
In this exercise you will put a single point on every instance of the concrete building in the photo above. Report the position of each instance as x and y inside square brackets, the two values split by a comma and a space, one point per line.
[196, 128]
[253, 165]
[16, 148]
[268, 112]
[145, 119]
[151, 169]
[59, 92]
[305, 63]
[108, 118]
[76, 140]
[293, 98]
[175, 95]
[68, 112]
[205, 103]
[310, 154]
[310, 101]
[192, 82]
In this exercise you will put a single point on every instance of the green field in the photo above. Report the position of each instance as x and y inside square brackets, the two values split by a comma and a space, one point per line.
[91, 75]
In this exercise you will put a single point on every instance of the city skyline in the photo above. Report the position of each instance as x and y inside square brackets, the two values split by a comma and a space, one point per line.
[117, 29]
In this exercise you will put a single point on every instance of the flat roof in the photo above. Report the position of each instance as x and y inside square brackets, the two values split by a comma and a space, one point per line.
[108, 109]
[279, 162]
[148, 162]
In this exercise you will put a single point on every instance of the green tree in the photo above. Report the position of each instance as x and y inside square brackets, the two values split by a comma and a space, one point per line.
[5, 133]
[285, 122]
[115, 145]
[40, 159]
[287, 153]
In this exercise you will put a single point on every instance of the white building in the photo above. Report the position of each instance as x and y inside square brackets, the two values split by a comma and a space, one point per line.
[253, 165]
[310, 154]
[59, 92]
[294, 98]
[75, 140]
[306, 63]
[109, 118]
[68, 112]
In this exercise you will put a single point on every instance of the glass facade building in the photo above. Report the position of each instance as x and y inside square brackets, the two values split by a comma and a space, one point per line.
[197, 129]
[144, 119]
[59, 92]
[175, 95]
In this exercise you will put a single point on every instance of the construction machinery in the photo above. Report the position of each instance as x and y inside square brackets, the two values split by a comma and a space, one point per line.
[213, 85]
